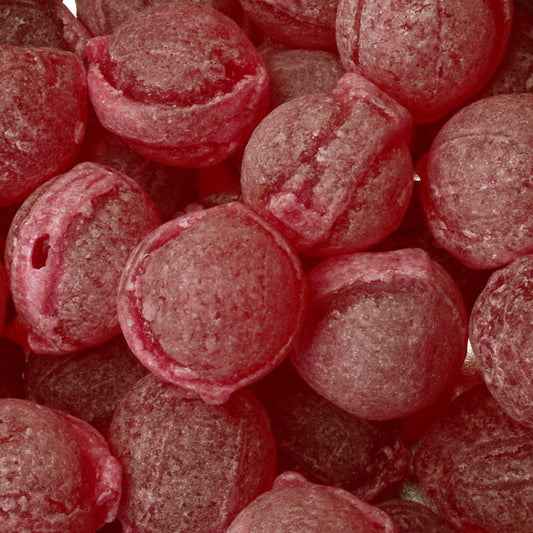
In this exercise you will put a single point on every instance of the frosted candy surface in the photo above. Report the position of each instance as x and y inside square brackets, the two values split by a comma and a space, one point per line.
[299, 506]
[476, 182]
[181, 83]
[57, 473]
[412, 49]
[43, 113]
[502, 338]
[476, 464]
[212, 300]
[65, 253]
[385, 333]
[189, 466]
[332, 172]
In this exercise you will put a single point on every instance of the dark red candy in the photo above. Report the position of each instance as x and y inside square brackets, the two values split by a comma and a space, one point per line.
[476, 464]
[189, 466]
[502, 339]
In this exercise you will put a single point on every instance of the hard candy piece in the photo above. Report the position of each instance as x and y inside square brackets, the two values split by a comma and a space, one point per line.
[476, 182]
[43, 114]
[327, 444]
[189, 466]
[87, 384]
[332, 172]
[413, 517]
[476, 465]
[296, 72]
[56, 474]
[429, 55]
[385, 333]
[212, 300]
[181, 83]
[65, 252]
[502, 337]
[309, 24]
[299, 506]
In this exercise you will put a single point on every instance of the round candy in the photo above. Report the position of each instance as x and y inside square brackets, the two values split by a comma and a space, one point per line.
[502, 338]
[65, 252]
[385, 333]
[332, 172]
[189, 466]
[56, 473]
[296, 505]
[429, 55]
[476, 179]
[181, 83]
[212, 300]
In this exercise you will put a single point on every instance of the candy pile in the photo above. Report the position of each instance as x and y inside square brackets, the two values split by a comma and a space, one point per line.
[245, 245]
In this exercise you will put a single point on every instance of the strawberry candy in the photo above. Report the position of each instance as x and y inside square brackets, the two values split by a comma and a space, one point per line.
[189, 466]
[181, 83]
[66, 250]
[212, 300]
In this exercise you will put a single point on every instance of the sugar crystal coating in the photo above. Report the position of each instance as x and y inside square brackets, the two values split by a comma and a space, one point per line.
[476, 182]
[476, 465]
[298, 506]
[189, 466]
[57, 473]
[65, 252]
[429, 55]
[212, 300]
[332, 172]
[43, 114]
[385, 333]
[180, 82]
[502, 338]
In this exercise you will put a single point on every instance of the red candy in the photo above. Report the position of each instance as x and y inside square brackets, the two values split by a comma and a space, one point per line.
[180, 83]
[189, 466]
[332, 172]
[65, 252]
[212, 301]
[385, 333]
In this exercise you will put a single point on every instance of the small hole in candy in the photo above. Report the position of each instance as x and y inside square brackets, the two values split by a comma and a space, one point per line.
[39, 254]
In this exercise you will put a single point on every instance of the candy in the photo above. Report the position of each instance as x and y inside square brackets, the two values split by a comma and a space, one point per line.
[180, 83]
[476, 182]
[429, 55]
[65, 252]
[212, 300]
[385, 333]
[43, 113]
[299, 506]
[476, 465]
[56, 473]
[189, 466]
[332, 172]
[501, 338]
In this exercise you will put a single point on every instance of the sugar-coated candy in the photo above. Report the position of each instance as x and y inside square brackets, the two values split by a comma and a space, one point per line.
[12, 368]
[501, 337]
[327, 444]
[413, 517]
[476, 463]
[43, 114]
[181, 83]
[189, 466]
[385, 333]
[212, 300]
[295, 505]
[66, 250]
[56, 472]
[332, 172]
[429, 55]
[296, 72]
[476, 179]
[87, 384]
